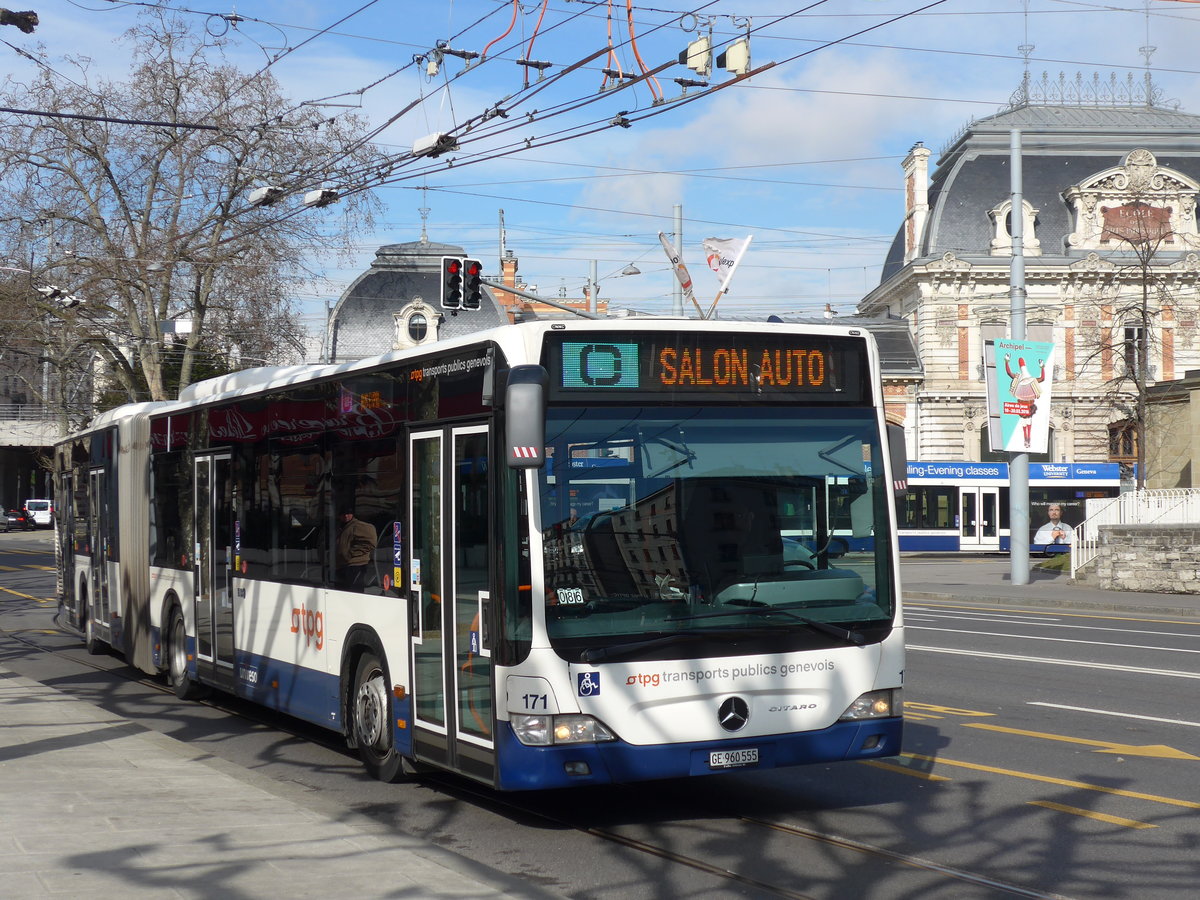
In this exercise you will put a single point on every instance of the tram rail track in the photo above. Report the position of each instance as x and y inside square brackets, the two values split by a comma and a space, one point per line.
[514, 807]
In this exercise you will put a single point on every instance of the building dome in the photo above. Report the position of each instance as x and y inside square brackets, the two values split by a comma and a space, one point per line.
[381, 309]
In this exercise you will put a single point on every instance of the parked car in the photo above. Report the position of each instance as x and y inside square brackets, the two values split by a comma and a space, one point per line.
[18, 520]
[42, 512]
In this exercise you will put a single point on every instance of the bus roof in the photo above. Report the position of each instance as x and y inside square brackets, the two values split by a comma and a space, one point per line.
[522, 337]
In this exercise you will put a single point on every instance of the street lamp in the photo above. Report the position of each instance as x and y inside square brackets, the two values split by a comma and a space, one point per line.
[266, 195]
[594, 284]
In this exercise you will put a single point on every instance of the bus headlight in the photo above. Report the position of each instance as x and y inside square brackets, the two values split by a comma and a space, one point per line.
[541, 731]
[873, 705]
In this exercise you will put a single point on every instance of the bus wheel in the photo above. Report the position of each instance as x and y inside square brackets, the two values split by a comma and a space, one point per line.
[94, 645]
[372, 720]
[177, 662]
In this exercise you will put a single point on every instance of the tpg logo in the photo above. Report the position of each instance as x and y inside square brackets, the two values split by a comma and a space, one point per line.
[311, 623]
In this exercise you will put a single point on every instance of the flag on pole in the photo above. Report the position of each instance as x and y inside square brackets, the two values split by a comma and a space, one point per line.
[681, 272]
[723, 256]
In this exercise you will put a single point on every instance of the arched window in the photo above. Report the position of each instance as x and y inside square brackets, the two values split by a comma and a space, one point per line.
[1001, 217]
[1123, 441]
[416, 324]
[418, 327]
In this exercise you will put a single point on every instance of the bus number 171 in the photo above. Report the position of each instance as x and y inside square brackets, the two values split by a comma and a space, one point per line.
[534, 701]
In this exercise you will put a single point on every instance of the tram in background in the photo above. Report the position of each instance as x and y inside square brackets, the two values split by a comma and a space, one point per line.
[965, 505]
[601, 549]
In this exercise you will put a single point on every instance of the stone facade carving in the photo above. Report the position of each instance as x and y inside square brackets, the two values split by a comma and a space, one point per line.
[1138, 201]
[416, 323]
[1002, 235]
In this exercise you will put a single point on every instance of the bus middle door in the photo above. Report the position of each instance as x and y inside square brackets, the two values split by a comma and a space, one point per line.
[214, 559]
[98, 614]
[449, 579]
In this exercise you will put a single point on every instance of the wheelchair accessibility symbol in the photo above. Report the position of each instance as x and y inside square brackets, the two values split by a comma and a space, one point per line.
[589, 684]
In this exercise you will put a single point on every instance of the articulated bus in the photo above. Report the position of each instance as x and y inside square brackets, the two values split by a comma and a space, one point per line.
[964, 506]
[589, 551]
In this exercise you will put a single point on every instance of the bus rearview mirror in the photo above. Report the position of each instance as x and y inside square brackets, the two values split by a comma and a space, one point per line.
[525, 417]
[898, 452]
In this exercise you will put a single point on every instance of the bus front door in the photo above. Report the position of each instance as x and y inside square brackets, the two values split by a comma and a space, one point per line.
[213, 558]
[980, 519]
[449, 596]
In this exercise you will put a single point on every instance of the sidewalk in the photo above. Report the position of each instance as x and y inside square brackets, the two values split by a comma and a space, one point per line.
[934, 577]
[93, 805]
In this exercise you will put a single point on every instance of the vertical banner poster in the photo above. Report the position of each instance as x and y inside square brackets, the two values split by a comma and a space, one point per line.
[995, 438]
[1024, 384]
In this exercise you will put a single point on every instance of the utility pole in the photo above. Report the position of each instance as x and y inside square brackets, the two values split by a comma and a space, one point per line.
[677, 292]
[1018, 466]
[503, 242]
[593, 288]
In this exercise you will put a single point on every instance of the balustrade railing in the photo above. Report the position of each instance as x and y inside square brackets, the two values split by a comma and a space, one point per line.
[1175, 506]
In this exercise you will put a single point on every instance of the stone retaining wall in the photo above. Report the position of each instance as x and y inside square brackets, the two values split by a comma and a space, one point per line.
[1159, 558]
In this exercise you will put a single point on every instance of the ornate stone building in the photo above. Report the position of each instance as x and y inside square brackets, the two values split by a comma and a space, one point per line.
[1112, 270]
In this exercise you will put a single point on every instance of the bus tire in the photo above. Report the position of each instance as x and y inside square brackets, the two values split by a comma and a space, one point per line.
[91, 641]
[182, 684]
[94, 645]
[371, 720]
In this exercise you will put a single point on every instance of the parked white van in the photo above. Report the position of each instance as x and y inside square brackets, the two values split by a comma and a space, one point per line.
[41, 512]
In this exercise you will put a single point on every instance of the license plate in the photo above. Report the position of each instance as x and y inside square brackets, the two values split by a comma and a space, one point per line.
[730, 759]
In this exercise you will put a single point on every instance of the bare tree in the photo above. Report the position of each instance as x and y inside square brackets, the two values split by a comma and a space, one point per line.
[1129, 313]
[133, 197]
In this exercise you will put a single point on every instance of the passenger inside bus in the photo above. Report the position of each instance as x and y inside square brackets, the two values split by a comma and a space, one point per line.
[355, 545]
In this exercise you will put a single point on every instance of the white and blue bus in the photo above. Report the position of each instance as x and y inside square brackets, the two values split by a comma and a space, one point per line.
[595, 551]
[964, 506]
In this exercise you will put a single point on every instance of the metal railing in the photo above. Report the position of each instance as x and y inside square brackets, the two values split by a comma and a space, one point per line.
[24, 412]
[1176, 506]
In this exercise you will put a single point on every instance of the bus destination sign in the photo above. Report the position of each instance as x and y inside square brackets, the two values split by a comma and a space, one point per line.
[763, 366]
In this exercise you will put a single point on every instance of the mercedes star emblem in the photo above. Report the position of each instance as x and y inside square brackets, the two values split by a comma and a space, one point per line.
[734, 714]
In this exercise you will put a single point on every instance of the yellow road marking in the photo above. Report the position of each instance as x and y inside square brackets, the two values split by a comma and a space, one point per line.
[25, 596]
[947, 710]
[1092, 814]
[1062, 782]
[1158, 751]
[10, 569]
[903, 770]
[42, 568]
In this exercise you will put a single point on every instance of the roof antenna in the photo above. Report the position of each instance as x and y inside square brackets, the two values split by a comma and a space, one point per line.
[1025, 50]
[424, 211]
[1147, 51]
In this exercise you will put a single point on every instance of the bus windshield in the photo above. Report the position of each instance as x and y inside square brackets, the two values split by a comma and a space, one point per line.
[727, 523]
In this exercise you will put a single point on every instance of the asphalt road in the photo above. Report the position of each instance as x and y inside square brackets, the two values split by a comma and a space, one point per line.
[1046, 754]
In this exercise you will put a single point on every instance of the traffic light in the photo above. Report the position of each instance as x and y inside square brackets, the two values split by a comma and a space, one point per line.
[452, 282]
[472, 288]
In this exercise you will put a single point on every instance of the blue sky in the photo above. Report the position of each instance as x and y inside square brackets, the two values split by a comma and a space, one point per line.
[804, 156]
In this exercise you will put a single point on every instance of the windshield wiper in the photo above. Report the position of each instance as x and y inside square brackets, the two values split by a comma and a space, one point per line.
[617, 651]
[842, 634]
